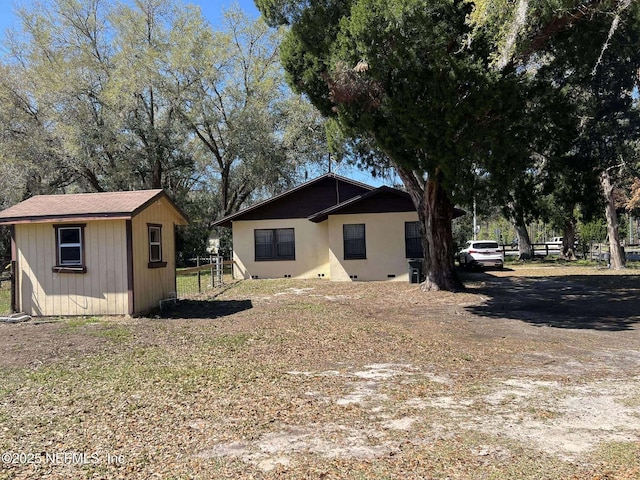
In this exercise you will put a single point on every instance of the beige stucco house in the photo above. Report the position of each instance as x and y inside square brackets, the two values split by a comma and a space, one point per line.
[93, 253]
[331, 228]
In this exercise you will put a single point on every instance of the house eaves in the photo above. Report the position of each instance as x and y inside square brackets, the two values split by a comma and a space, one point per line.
[362, 199]
[253, 209]
[380, 200]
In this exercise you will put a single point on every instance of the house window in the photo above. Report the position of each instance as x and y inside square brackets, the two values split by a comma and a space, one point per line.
[413, 240]
[354, 241]
[155, 246]
[69, 249]
[275, 244]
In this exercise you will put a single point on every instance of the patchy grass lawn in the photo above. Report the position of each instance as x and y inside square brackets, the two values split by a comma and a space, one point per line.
[529, 374]
[5, 297]
[187, 283]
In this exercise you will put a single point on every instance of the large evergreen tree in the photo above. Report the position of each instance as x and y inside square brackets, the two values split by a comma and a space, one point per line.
[404, 74]
[595, 64]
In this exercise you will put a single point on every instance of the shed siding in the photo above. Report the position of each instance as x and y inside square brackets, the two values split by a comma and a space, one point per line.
[101, 290]
[153, 284]
[385, 247]
[311, 250]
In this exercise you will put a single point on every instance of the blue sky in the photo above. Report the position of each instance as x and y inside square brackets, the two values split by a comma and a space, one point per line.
[212, 11]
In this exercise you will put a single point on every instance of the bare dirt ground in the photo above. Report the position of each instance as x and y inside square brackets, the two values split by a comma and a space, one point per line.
[530, 373]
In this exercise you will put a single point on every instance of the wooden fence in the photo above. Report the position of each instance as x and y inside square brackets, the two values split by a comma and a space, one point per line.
[596, 251]
[540, 249]
[209, 273]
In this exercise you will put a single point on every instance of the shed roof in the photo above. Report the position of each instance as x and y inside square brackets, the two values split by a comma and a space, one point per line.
[85, 206]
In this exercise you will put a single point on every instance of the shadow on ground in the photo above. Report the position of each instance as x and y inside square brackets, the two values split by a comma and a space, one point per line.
[608, 303]
[204, 309]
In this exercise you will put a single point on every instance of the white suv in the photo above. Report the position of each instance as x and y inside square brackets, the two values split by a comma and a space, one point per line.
[481, 253]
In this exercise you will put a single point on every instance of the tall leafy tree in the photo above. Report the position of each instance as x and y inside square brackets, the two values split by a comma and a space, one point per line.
[148, 34]
[586, 50]
[404, 75]
[552, 129]
[31, 158]
[596, 65]
[97, 81]
[520, 206]
[99, 96]
[521, 30]
[254, 135]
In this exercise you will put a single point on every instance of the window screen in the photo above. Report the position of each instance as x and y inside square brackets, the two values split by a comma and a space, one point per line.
[354, 241]
[413, 240]
[155, 243]
[70, 245]
[275, 244]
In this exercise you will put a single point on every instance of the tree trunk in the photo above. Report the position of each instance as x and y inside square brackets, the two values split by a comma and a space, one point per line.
[618, 261]
[156, 175]
[525, 249]
[436, 215]
[515, 216]
[569, 239]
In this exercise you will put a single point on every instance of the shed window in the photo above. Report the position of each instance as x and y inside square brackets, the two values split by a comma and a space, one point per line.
[155, 246]
[69, 249]
[275, 244]
[413, 240]
[354, 241]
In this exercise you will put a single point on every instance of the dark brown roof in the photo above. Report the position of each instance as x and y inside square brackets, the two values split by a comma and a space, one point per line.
[380, 200]
[84, 206]
[327, 195]
[301, 201]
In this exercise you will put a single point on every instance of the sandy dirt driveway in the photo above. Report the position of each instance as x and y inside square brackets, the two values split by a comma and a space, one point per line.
[529, 373]
[579, 386]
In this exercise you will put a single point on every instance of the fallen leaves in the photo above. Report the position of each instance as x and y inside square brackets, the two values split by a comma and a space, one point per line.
[315, 380]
